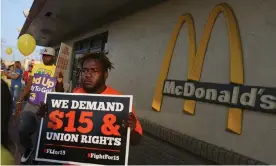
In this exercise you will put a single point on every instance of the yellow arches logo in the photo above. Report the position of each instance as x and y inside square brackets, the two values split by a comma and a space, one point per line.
[196, 60]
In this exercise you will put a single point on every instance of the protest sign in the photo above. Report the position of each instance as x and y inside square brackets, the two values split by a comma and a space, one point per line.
[85, 128]
[41, 85]
[63, 58]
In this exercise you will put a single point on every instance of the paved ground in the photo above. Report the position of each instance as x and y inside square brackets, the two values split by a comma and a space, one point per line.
[151, 151]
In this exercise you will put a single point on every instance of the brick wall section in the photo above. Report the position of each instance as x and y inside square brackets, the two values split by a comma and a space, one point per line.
[208, 151]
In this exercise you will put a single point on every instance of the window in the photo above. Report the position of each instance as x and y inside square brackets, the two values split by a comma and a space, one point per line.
[92, 44]
[56, 52]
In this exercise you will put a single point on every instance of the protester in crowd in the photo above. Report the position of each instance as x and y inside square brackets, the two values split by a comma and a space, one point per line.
[26, 78]
[10, 69]
[94, 72]
[6, 106]
[27, 73]
[3, 68]
[29, 122]
[16, 83]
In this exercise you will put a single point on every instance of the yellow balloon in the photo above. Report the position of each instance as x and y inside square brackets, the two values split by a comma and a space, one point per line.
[9, 51]
[26, 44]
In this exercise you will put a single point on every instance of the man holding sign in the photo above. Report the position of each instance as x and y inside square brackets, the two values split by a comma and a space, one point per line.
[41, 80]
[94, 72]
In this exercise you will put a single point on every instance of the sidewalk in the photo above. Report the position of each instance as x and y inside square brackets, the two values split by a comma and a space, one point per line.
[153, 151]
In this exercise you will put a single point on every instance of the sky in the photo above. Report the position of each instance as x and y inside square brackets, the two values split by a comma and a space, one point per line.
[12, 17]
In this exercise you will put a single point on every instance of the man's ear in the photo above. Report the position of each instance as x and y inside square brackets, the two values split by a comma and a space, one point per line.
[105, 75]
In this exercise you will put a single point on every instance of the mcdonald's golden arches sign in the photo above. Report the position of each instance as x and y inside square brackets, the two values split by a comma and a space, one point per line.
[234, 95]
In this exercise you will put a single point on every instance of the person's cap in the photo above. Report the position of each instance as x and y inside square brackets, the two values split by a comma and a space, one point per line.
[48, 51]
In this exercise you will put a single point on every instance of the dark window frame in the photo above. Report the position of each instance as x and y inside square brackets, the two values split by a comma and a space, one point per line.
[85, 46]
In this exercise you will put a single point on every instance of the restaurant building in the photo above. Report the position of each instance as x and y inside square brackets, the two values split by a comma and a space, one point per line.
[152, 40]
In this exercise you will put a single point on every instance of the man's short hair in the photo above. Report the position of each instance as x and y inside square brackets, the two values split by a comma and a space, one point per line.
[101, 58]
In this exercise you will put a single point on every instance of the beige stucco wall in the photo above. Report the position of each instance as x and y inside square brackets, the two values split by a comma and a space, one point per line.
[137, 45]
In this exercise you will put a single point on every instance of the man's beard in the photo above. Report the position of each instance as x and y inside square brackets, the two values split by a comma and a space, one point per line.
[50, 62]
[94, 89]
[90, 90]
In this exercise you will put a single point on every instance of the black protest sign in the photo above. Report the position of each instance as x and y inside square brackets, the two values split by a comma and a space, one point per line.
[85, 128]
